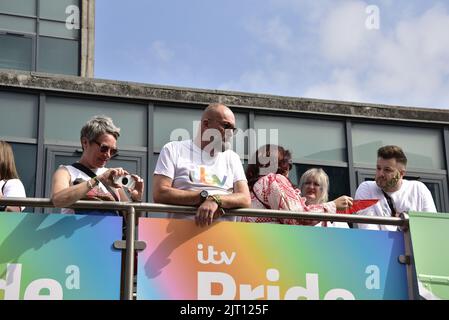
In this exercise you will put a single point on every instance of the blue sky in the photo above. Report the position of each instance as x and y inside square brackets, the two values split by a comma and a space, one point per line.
[312, 48]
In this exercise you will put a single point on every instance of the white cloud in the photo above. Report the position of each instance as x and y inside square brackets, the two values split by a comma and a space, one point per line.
[404, 65]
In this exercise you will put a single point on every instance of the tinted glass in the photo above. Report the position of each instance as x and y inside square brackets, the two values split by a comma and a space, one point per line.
[58, 56]
[15, 52]
[422, 146]
[305, 138]
[21, 7]
[130, 118]
[57, 9]
[24, 108]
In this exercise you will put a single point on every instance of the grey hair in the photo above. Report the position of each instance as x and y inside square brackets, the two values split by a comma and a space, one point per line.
[97, 126]
[318, 175]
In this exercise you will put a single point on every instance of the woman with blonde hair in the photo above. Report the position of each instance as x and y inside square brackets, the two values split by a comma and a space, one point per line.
[314, 185]
[10, 185]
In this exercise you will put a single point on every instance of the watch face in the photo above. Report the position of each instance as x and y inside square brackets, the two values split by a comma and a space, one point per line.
[204, 194]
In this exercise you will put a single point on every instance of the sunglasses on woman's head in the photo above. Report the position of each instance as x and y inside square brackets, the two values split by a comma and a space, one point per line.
[105, 148]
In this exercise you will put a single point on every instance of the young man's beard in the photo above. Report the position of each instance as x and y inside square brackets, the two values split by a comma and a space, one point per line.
[393, 182]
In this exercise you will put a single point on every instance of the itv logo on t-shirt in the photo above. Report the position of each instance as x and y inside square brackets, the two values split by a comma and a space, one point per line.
[200, 175]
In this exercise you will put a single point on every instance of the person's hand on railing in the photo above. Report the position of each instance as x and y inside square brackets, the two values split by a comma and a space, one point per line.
[207, 212]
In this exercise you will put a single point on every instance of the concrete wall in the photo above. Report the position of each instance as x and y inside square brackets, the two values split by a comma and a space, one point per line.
[121, 89]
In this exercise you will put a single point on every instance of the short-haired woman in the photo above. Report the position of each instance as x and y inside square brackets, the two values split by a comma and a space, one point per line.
[89, 178]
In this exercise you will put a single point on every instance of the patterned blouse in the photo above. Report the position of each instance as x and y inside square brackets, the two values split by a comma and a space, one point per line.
[277, 193]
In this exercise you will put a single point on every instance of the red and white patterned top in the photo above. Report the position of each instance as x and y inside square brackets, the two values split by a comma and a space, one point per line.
[277, 193]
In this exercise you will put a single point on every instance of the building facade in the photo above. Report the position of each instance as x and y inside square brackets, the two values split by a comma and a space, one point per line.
[41, 116]
[53, 36]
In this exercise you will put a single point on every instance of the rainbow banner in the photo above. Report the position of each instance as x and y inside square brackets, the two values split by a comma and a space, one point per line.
[57, 256]
[430, 239]
[231, 260]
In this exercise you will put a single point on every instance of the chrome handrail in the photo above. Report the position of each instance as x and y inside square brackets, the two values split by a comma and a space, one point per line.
[157, 207]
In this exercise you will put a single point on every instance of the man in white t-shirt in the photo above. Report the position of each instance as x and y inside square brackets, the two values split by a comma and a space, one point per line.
[203, 172]
[395, 194]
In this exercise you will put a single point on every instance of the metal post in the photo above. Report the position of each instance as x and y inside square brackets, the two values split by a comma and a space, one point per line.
[409, 261]
[129, 258]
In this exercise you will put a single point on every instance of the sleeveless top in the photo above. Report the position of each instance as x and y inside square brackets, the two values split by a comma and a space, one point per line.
[99, 192]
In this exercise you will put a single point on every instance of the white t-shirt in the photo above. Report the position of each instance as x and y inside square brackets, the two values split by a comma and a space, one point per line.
[14, 188]
[412, 196]
[192, 169]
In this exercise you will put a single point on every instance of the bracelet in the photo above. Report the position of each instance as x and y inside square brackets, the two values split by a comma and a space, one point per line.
[216, 198]
[97, 181]
[89, 185]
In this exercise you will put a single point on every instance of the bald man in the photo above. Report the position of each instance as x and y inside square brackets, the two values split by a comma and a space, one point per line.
[203, 172]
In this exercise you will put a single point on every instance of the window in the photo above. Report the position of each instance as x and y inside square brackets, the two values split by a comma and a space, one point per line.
[422, 146]
[55, 9]
[20, 7]
[131, 118]
[24, 108]
[58, 56]
[17, 24]
[307, 139]
[56, 49]
[16, 52]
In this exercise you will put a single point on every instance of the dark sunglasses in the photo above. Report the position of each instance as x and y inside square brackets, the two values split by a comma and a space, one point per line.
[226, 126]
[105, 148]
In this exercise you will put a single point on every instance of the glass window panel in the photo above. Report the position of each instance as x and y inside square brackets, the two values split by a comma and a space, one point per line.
[25, 159]
[171, 123]
[434, 189]
[22, 7]
[58, 56]
[15, 52]
[64, 118]
[306, 138]
[24, 108]
[57, 29]
[56, 9]
[422, 146]
[184, 122]
[17, 24]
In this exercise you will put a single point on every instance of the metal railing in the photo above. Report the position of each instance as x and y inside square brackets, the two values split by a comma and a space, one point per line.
[132, 207]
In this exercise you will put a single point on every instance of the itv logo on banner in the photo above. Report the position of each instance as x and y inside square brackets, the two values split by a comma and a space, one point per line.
[231, 260]
[57, 256]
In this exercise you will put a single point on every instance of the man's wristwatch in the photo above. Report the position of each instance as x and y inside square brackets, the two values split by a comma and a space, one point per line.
[203, 196]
